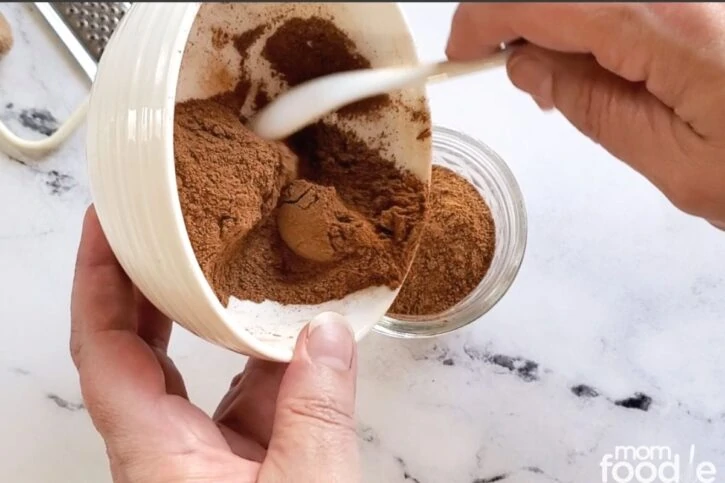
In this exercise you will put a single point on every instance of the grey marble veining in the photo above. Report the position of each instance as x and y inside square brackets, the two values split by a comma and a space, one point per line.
[612, 334]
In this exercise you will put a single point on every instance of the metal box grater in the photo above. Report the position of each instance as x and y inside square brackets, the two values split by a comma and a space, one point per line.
[84, 27]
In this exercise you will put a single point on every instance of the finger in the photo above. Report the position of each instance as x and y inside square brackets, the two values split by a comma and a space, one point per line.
[102, 294]
[648, 44]
[249, 406]
[571, 27]
[471, 39]
[155, 329]
[314, 429]
[120, 376]
[624, 117]
[173, 381]
[720, 225]
[153, 326]
[242, 446]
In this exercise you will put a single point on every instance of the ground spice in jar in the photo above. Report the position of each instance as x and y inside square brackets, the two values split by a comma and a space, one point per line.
[305, 223]
[455, 251]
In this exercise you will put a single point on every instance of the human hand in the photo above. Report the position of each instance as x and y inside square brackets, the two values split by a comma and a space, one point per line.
[646, 81]
[277, 423]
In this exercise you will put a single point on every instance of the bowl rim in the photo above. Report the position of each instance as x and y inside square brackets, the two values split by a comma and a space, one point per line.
[395, 327]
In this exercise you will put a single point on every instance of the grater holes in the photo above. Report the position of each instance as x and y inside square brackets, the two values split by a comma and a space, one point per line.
[92, 22]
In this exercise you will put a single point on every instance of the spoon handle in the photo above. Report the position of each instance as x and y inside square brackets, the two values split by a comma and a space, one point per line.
[448, 69]
[308, 102]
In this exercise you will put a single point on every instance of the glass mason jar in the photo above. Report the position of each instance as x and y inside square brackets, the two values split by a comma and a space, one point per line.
[485, 170]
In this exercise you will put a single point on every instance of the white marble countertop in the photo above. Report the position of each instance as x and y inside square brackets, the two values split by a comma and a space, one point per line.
[613, 334]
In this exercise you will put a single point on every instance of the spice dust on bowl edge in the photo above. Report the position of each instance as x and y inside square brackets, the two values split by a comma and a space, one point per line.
[490, 175]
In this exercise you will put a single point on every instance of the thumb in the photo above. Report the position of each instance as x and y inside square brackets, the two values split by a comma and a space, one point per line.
[313, 438]
[622, 116]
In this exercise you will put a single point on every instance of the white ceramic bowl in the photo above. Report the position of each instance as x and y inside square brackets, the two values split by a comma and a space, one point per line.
[131, 155]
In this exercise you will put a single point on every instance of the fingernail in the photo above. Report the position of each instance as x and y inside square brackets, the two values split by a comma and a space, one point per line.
[331, 341]
[542, 104]
[533, 76]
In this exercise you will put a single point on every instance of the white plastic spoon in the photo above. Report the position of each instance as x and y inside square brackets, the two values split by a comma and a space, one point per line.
[308, 102]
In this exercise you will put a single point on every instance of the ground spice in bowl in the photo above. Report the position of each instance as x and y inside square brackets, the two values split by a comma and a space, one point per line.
[228, 179]
[304, 49]
[311, 220]
[455, 251]
[387, 202]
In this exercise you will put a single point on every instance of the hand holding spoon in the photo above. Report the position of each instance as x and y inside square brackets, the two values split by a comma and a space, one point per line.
[308, 102]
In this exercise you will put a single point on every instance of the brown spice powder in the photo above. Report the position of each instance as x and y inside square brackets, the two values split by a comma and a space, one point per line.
[304, 49]
[230, 183]
[261, 99]
[234, 200]
[228, 178]
[242, 43]
[391, 203]
[219, 38]
[456, 248]
[316, 225]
